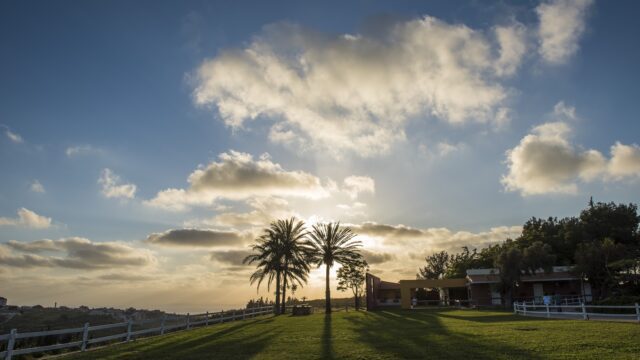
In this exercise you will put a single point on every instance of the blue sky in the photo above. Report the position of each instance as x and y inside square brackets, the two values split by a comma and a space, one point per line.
[452, 130]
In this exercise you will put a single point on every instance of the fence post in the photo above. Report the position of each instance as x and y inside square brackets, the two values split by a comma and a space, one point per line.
[584, 312]
[524, 307]
[515, 307]
[638, 312]
[11, 343]
[547, 305]
[164, 319]
[129, 325]
[244, 314]
[188, 322]
[233, 316]
[85, 336]
[206, 319]
[221, 316]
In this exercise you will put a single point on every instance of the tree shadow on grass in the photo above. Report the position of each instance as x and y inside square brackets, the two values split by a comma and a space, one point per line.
[483, 317]
[419, 335]
[231, 342]
[327, 345]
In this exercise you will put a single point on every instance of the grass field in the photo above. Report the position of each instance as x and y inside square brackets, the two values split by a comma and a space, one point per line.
[419, 334]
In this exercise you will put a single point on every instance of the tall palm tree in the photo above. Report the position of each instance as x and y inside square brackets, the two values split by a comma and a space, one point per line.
[296, 250]
[333, 244]
[281, 253]
[267, 250]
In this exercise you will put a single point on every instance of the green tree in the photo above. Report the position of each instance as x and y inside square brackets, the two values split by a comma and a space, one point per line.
[538, 256]
[437, 264]
[351, 276]
[333, 244]
[509, 263]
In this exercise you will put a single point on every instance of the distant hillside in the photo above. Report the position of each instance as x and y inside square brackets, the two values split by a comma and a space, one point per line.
[50, 319]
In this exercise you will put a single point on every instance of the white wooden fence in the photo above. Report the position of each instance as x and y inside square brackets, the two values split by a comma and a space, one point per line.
[185, 322]
[629, 312]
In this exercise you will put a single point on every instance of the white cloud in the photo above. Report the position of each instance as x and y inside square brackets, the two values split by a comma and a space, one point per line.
[356, 92]
[13, 136]
[79, 150]
[545, 161]
[624, 162]
[113, 188]
[36, 187]
[512, 44]
[562, 23]
[239, 176]
[355, 185]
[27, 218]
[78, 253]
[409, 239]
[265, 210]
[564, 111]
[440, 150]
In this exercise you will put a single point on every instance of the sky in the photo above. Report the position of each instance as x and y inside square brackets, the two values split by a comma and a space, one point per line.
[144, 145]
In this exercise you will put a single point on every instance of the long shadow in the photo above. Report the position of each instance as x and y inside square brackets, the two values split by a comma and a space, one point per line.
[483, 318]
[327, 345]
[233, 341]
[418, 335]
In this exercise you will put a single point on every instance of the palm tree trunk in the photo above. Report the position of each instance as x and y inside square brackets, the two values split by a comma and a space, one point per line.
[284, 292]
[277, 292]
[327, 300]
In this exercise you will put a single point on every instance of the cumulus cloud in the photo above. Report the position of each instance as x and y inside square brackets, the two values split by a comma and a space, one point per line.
[512, 44]
[36, 187]
[562, 23]
[545, 161]
[239, 176]
[74, 253]
[624, 162]
[355, 185]
[356, 92]
[27, 218]
[197, 238]
[265, 210]
[434, 239]
[112, 186]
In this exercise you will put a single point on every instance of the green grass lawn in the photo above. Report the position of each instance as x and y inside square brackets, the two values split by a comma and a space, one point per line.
[418, 334]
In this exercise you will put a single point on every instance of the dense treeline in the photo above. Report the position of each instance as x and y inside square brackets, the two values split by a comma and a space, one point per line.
[602, 245]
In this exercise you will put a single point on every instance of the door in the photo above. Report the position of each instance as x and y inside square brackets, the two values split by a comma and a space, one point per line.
[538, 292]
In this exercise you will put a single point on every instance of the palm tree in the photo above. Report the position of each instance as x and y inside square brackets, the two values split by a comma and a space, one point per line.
[267, 250]
[296, 250]
[333, 244]
[281, 253]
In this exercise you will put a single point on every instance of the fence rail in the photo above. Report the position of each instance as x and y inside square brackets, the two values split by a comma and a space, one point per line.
[205, 319]
[626, 312]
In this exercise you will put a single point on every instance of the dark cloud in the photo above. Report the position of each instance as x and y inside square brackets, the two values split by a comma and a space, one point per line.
[384, 230]
[74, 253]
[231, 257]
[196, 238]
[376, 258]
